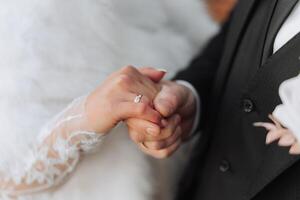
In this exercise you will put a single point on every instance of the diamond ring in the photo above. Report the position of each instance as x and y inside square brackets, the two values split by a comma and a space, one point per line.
[138, 98]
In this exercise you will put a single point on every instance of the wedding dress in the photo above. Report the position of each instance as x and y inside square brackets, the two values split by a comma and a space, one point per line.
[53, 52]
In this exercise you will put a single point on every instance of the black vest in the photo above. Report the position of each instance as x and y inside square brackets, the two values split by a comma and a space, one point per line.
[237, 165]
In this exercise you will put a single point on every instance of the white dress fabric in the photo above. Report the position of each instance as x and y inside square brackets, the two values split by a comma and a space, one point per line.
[53, 52]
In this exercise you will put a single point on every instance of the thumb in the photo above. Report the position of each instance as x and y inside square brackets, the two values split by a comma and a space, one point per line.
[156, 75]
[165, 103]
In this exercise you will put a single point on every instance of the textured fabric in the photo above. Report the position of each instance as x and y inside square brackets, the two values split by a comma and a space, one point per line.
[289, 29]
[54, 51]
[232, 156]
[281, 12]
[53, 156]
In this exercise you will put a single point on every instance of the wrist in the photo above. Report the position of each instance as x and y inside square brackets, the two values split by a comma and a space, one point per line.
[94, 114]
[195, 108]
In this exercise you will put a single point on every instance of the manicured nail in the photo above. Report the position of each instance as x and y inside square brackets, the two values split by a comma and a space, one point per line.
[152, 131]
[267, 126]
[258, 124]
[162, 70]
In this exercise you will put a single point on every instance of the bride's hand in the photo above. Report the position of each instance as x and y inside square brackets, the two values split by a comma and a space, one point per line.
[113, 100]
[276, 132]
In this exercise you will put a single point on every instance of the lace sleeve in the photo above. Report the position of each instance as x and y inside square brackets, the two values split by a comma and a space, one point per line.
[55, 154]
[288, 113]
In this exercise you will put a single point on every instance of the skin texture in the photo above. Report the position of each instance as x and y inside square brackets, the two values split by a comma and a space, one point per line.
[158, 124]
[177, 104]
[114, 98]
[276, 132]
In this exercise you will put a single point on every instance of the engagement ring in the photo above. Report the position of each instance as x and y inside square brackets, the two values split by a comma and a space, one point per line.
[138, 98]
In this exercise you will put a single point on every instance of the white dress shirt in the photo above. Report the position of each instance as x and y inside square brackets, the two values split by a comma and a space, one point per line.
[288, 30]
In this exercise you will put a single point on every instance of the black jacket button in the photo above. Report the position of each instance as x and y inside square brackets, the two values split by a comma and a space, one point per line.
[248, 105]
[224, 166]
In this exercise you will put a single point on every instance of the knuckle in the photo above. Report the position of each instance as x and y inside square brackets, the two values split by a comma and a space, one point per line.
[128, 69]
[173, 100]
[166, 106]
[137, 138]
[146, 100]
[167, 134]
[123, 80]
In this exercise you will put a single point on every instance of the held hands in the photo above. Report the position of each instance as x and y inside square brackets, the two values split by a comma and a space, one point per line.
[113, 101]
[157, 123]
[177, 105]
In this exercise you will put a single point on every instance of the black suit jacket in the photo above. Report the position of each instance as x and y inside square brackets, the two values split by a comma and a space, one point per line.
[231, 160]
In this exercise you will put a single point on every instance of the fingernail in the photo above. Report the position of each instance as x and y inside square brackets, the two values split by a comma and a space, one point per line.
[162, 70]
[267, 126]
[152, 131]
[286, 141]
[257, 124]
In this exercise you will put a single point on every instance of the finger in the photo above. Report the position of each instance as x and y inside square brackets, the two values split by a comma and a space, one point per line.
[155, 75]
[170, 127]
[287, 140]
[143, 127]
[163, 144]
[164, 153]
[145, 87]
[267, 126]
[295, 149]
[276, 122]
[126, 110]
[169, 99]
[137, 137]
[274, 135]
[130, 78]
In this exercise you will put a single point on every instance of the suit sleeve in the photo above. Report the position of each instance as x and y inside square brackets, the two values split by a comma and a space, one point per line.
[202, 70]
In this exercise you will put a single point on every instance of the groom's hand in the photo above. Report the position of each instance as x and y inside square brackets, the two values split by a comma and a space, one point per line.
[173, 99]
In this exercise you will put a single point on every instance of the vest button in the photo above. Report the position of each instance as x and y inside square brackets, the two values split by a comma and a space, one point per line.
[224, 166]
[248, 105]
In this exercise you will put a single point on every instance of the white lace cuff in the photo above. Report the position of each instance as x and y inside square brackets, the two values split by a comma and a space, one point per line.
[55, 154]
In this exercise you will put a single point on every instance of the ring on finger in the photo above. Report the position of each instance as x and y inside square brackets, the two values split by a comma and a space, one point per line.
[138, 98]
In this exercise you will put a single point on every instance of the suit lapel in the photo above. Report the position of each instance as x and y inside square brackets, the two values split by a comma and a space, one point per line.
[281, 66]
[278, 19]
